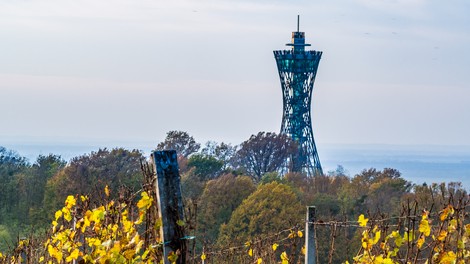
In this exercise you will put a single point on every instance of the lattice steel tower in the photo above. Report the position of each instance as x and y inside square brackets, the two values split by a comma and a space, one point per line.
[297, 70]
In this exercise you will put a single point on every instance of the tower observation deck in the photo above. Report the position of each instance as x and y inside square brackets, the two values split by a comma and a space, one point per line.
[297, 70]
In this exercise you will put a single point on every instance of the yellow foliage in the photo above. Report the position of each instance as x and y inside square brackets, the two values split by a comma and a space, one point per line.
[442, 235]
[420, 241]
[70, 201]
[424, 225]
[448, 257]
[362, 220]
[145, 201]
[447, 240]
[275, 245]
[449, 210]
[173, 257]
[106, 190]
[284, 258]
[58, 214]
[101, 235]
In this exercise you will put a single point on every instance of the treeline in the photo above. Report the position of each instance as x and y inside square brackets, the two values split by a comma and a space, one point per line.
[233, 194]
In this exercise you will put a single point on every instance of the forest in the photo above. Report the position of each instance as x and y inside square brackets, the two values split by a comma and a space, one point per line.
[241, 204]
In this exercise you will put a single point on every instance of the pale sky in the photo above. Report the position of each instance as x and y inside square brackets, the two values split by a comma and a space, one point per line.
[392, 71]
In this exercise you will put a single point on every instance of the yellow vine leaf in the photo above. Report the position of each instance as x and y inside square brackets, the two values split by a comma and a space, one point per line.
[180, 222]
[461, 244]
[275, 245]
[449, 210]
[467, 230]
[421, 241]
[172, 257]
[362, 220]
[442, 235]
[70, 201]
[106, 190]
[98, 214]
[448, 257]
[260, 260]
[145, 201]
[73, 256]
[67, 214]
[284, 258]
[452, 226]
[424, 226]
[58, 214]
[409, 236]
[398, 238]
[377, 237]
[250, 252]
[291, 235]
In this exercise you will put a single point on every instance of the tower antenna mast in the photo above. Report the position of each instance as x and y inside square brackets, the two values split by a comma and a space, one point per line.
[298, 22]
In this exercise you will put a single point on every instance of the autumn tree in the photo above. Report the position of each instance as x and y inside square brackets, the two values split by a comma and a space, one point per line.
[42, 170]
[92, 172]
[205, 166]
[271, 208]
[221, 151]
[220, 198]
[11, 165]
[181, 141]
[265, 152]
[375, 190]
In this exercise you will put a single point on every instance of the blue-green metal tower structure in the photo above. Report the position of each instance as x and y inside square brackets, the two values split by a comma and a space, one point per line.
[297, 70]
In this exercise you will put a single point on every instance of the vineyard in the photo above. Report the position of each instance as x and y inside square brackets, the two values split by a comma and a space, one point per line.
[126, 230]
[105, 207]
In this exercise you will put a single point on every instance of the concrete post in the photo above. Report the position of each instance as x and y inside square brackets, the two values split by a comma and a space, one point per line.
[310, 245]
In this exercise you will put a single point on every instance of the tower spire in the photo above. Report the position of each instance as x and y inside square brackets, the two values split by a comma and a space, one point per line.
[298, 23]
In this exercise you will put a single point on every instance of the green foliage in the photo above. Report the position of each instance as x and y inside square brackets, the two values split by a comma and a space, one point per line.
[222, 152]
[271, 177]
[11, 165]
[206, 167]
[229, 210]
[220, 198]
[5, 237]
[192, 186]
[270, 209]
[375, 191]
[90, 173]
[104, 234]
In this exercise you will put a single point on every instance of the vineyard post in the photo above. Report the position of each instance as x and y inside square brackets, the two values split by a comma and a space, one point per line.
[311, 251]
[170, 205]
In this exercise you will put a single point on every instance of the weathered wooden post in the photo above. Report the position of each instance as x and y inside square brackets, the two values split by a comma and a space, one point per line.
[170, 205]
[310, 247]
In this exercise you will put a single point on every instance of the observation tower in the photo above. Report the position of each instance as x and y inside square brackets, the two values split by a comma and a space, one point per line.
[297, 70]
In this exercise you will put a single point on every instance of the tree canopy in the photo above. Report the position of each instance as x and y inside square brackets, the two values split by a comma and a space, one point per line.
[265, 152]
[271, 208]
[181, 141]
